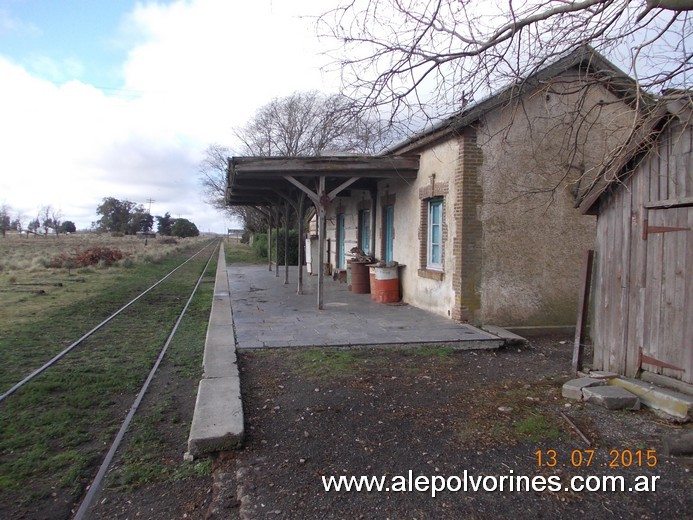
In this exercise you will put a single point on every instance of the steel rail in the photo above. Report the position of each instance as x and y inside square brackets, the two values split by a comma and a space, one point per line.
[59, 356]
[96, 483]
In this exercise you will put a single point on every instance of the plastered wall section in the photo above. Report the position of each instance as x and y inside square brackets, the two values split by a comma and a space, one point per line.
[533, 237]
[428, 290]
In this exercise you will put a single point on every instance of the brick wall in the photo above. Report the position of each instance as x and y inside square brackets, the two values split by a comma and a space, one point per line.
[467, 246]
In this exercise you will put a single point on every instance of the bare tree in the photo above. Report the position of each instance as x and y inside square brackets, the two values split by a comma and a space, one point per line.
[34, 226]
[423, 62]
[309, 124]
[56, 220]
[427, 58]
[212, 175]
[18, 222]
[302, 124]
[212, 178]
[45, 218]
[50, 218]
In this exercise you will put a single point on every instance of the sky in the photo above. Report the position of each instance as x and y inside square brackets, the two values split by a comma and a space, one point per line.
[117, 98]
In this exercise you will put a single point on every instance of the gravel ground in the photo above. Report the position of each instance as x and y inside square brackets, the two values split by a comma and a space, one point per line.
[388, 412]
[314, 413]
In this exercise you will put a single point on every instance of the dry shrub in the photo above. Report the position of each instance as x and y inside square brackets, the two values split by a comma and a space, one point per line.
[101, 256]
[167, 240]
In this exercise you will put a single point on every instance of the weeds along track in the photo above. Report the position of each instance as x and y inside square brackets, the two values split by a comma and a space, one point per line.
[58, 424]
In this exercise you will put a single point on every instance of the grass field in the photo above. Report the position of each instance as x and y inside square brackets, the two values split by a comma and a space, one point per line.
[30, 290]
[53, 431]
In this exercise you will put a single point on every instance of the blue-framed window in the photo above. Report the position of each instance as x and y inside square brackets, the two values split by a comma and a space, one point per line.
[434, 242]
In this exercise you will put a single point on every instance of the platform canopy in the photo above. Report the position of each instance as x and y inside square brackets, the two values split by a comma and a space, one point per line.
[279, 181]
[265, 181]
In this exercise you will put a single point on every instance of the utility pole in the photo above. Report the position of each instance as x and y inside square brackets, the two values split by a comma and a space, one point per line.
[149, 214]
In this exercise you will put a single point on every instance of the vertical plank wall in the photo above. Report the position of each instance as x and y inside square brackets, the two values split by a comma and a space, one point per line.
[643, 289]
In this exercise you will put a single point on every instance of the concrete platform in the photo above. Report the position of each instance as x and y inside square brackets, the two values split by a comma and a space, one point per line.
[253, 308]
[269, 314]
[217, 423]
[218, 420]
[509, 337]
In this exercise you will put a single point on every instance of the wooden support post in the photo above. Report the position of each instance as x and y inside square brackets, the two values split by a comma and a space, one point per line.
[286, 243]
[276, 241]
[321, 209]
[374, 205]
[269, 240]
[301, 243]
[583, 311]
[277, 223]
[321, 200]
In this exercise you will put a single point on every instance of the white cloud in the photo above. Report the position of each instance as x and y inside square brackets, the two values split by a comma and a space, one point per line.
[195, 70]
[211, 63]
[58, 71]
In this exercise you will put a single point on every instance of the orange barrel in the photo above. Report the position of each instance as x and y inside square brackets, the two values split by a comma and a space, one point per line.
[371, 278]
[360, 281]
[387, 284]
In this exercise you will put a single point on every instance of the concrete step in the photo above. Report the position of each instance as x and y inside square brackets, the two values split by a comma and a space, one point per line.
[667, 382]
[573, 389]
[675, 404]
[507, 336]
[611, 397]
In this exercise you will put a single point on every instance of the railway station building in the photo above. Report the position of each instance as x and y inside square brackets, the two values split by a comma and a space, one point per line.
[479, 210]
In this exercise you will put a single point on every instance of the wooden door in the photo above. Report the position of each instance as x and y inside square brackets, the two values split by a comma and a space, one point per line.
[667, 306]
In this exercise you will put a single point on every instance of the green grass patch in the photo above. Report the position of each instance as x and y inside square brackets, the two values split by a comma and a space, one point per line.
[186, 470]
[429, 351]
[537, 427]
[527, 421]
[145, 456]
[238, 253]
[51, 322]
[326, 363]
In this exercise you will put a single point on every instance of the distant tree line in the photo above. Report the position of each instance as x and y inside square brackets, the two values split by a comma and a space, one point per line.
[47, 220]
[124, 216]
[177, 227]
[116, 216]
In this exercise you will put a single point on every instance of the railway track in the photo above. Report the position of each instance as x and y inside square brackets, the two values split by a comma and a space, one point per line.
[76, 343]
[76, 400]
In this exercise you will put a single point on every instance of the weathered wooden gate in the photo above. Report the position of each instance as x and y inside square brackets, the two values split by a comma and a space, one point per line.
[643, 305]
